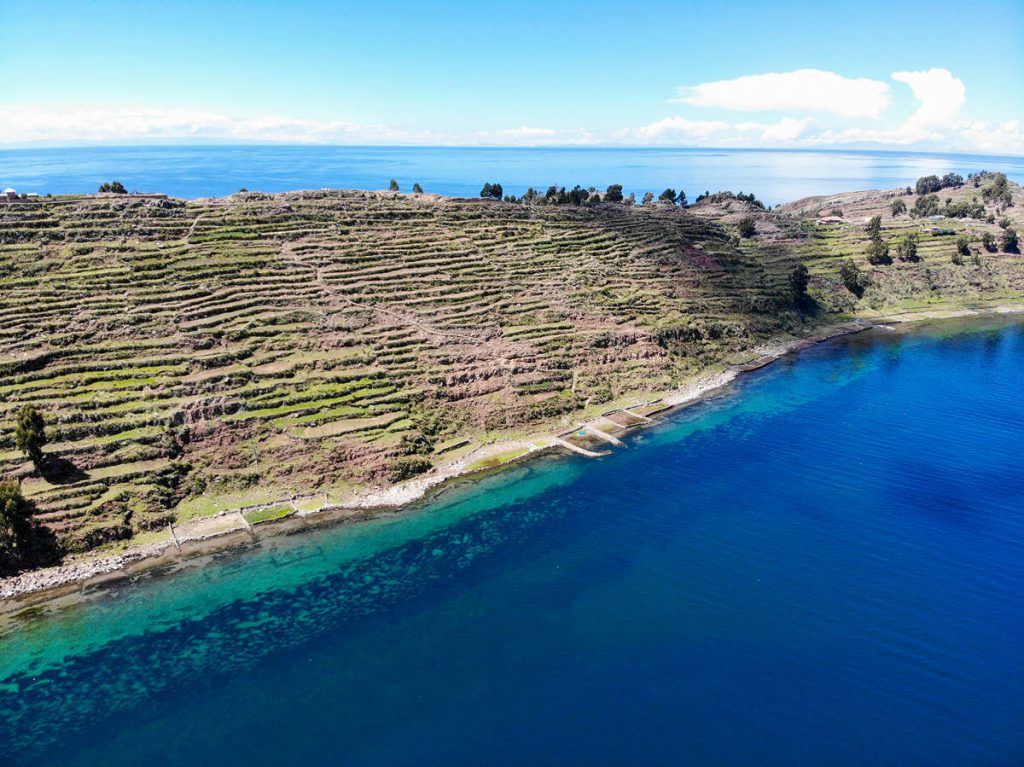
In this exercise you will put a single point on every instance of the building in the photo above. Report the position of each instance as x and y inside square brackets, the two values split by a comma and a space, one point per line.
[9, 195]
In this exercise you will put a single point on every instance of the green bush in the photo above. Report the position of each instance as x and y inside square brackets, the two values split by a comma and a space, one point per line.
[407, 466]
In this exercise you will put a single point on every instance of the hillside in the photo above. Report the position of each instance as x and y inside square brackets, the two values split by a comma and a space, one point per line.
[196, 356]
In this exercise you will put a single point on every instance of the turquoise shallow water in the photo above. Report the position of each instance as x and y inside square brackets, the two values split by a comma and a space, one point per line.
[824, 567]
[190, 171]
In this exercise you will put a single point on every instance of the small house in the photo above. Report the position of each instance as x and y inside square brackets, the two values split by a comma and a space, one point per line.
[9, 195]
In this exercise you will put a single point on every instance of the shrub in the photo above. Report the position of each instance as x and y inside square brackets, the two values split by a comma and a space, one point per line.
[906, 248]
[852, 278]
[746, 226]
[878, 252]
[393, 186]
[988, 241]
[963, 245]
[417, 189]
[407, 466]
[113, 187]
[1008, 242]
[897, 208]
[648, 198]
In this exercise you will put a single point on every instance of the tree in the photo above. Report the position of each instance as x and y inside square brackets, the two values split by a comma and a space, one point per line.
[952, 181]
[852, 278]
[669, 195]
[613, 193]
[897, 208]
[928, 184]
[1008, 242]
[963, 245]
[492, 190]
[393, 186]
[648, 198]
[15, 527]
[30, 433]
[988, 241]
[747, 226]
[22, 541]
[906, 248]
[874, 227]
[417, 189]
[926, 206]
[681, 199]
[113, 187]
[878, 252]
[799, 279]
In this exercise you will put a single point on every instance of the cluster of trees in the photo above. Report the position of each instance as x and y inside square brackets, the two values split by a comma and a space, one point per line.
[393, 187]
[750, 199]
[669, 195]
[931, 184]
[578, 195]
[998, 191]
[929, 205]
[492, 190]
[113, 187]
[22, 541]
[559, 195]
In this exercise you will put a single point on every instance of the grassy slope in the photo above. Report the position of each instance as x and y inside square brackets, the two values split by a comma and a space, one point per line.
[191, 356]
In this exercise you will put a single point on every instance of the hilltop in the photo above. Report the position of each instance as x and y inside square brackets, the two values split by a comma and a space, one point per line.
[264, 351]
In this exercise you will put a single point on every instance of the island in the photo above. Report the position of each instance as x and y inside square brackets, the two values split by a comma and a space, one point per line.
[175, 371]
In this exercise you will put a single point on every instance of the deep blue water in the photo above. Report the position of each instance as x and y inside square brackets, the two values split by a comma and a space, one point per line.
[774, 176]
[822, 568]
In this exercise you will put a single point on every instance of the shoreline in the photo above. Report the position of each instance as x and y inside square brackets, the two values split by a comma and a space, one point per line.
[230, 528]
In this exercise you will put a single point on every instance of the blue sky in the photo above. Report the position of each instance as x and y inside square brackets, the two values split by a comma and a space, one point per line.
[903, 74]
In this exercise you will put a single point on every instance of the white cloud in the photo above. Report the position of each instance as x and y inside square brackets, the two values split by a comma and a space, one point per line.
[1005, 137]
[805, 90]
[940, 93]
[681, 128]
[527, 136]
[73, 125]
[524, 133]
[786, 129]
[52, 124]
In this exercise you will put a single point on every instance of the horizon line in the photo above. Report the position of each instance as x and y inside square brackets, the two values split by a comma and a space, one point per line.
[515, 147]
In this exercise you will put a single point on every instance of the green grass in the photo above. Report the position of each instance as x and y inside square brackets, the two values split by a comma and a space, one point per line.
[265, 515]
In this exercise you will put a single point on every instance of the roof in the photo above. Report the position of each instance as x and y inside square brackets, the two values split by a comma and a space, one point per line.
[8, 190]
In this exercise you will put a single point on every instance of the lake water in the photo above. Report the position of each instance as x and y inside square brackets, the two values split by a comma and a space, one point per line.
[774, 176]
[824, 567]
